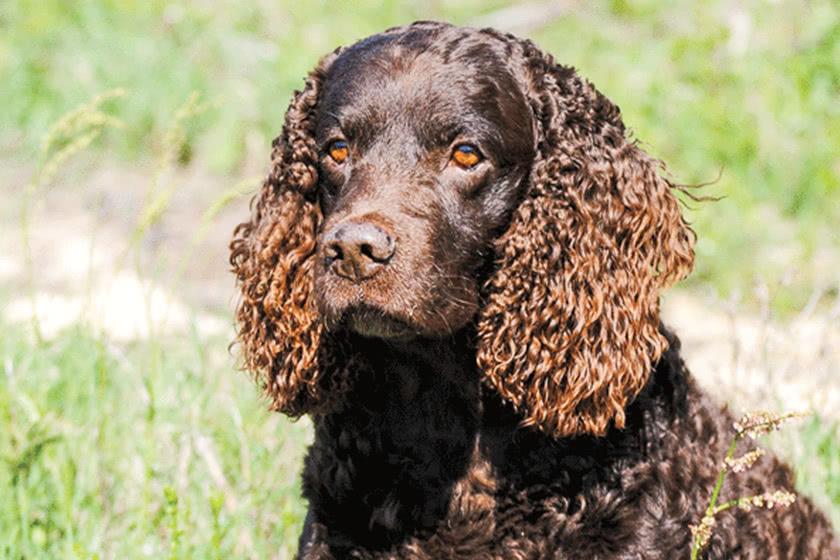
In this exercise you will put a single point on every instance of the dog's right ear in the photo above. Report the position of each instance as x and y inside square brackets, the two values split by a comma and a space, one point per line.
[272, 255]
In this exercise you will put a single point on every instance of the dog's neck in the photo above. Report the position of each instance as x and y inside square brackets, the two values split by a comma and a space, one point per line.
[405, 434]
[385, 464]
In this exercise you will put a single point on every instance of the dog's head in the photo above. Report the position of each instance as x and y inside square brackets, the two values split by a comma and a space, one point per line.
[433, 177]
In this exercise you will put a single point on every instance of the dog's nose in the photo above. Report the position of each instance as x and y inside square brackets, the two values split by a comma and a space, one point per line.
[357, 251]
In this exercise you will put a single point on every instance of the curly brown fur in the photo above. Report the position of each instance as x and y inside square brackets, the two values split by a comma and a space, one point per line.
[480, 345]
[272, 256]
[569, 331]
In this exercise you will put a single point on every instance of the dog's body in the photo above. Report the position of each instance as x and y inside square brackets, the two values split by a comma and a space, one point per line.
[455, 267]
[437, 470]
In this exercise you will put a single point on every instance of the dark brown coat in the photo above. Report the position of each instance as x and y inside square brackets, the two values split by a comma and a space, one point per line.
[455, 267]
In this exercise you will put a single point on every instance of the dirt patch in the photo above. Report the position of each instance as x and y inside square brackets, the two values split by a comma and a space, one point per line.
[756, 361]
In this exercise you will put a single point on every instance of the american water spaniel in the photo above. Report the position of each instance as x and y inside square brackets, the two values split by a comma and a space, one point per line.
[454, 268]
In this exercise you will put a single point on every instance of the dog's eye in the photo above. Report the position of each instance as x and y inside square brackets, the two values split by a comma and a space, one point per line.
[466, 155]
[338, 150]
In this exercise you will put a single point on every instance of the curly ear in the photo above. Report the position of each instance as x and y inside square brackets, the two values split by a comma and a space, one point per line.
[569, 332]
[272, 256]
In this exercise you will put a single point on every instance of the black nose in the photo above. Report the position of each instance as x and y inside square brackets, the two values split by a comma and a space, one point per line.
[357, 250]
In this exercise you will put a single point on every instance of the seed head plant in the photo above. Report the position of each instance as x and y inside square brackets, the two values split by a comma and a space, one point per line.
[751, 425]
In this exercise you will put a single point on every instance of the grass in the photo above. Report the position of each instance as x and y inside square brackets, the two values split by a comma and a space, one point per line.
[131, 450]
[814, 450]
[763, 113]
[151, 450]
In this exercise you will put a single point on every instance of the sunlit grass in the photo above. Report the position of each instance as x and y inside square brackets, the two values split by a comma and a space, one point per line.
[103, 454]
[157, 448]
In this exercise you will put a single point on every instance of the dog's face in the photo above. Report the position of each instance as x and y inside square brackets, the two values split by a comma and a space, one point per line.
[432, 177]
[422, 159]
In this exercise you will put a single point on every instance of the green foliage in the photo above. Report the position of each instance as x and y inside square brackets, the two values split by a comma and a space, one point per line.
[86, 472]
[815, 450]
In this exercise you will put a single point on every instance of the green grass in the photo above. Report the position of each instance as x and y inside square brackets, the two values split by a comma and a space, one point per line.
[160, 451]
[751, 91]
[814, 450]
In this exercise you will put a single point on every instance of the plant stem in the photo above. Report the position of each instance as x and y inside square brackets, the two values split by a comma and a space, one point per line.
[721, 476]
[713, 508]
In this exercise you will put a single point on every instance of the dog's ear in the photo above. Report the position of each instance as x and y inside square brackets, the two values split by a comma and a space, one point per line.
[272, 256]
[569, 332]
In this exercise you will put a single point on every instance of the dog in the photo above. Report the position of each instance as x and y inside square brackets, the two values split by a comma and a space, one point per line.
[454, 268]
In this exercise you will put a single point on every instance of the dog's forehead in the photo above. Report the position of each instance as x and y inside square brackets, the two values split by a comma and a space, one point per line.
[440, 84]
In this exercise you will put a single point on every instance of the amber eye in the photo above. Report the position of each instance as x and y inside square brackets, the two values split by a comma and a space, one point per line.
[338, 150]
[466, 155]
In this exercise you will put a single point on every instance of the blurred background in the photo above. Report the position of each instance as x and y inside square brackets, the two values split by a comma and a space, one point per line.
[133, 133]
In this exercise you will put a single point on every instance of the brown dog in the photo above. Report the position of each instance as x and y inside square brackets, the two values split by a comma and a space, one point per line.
[454, 267]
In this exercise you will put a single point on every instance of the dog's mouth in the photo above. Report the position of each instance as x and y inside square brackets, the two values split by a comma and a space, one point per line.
[374, 323]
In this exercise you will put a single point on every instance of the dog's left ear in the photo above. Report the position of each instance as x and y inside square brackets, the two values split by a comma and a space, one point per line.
[569, 332]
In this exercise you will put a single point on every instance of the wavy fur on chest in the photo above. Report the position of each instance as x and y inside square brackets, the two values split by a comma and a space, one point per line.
[438, 470]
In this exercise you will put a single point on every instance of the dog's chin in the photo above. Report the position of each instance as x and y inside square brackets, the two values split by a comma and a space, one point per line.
[372, 323]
